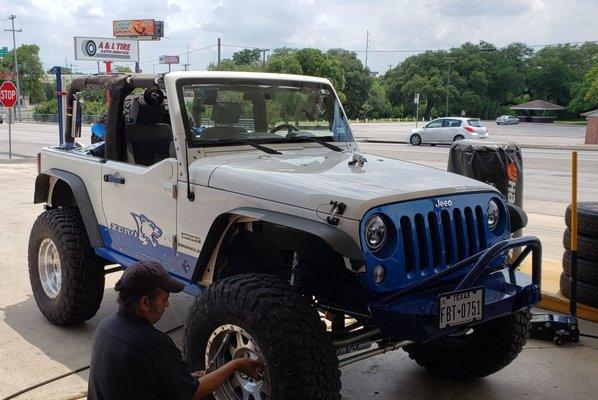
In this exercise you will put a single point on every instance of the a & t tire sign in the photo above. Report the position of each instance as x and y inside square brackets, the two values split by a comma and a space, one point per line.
[8, 94]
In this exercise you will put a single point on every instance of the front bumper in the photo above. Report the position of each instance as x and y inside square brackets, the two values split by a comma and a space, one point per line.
[412, 313]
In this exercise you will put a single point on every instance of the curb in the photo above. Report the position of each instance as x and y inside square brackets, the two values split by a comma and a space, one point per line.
[556, 302]
[588, 147]
[552, 298]
[28, 160]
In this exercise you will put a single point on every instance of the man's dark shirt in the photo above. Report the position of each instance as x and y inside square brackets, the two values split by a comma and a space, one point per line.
[130, 359]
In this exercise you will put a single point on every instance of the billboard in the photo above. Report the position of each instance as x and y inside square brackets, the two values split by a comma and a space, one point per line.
[148, 29]
[106, 49]
[169, 59]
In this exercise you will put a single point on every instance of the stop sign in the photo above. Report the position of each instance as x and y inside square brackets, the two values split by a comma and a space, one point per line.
[8, 94]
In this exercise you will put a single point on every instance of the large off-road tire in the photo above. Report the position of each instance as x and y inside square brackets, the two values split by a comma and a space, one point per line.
[587, 247]
[587, 218]
[587, 271]
[586, 292]
[268, 320]
[489, 348]
[67, 278]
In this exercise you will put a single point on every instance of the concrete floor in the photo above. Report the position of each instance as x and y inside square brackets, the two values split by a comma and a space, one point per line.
[33, 350]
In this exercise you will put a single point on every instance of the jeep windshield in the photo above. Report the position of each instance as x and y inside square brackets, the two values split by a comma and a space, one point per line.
[224, 113]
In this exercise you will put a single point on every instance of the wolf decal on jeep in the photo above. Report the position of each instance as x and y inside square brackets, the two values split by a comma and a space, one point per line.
[148, 231]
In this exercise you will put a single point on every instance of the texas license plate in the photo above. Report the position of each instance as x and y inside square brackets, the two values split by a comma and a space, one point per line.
[460, 307]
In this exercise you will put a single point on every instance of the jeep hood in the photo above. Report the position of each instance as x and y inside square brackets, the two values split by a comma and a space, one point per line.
[311, 180]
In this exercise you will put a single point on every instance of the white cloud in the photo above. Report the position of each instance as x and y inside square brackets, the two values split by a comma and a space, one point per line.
[394, 25]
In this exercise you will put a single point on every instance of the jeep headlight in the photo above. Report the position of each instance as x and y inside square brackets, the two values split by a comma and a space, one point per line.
[375, 232]
[492, 214]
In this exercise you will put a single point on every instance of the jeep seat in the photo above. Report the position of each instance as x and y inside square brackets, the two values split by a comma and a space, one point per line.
[225, 115]
[148, 140]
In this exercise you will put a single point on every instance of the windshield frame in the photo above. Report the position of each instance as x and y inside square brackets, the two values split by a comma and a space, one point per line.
[194, 142]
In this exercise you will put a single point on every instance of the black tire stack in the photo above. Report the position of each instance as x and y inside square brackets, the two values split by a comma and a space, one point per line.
[587, 254]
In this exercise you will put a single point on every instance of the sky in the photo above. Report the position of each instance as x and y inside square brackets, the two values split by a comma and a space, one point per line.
[401, 27]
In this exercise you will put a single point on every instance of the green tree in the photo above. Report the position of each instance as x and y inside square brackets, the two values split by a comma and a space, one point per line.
[424, 73]
[31, 72]
[377, 104]
[585, 93]
[247, 57]
[283, 61]
[357, 81]
[123, 69]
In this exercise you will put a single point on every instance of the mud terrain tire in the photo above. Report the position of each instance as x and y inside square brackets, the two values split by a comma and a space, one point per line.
[587, 247]
[302, 363]
[587, 271]
[81, 288]
[491, 347]
[587, 218]
[586, 292]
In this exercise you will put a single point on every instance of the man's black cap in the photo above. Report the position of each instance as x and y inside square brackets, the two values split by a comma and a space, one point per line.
[145, 276]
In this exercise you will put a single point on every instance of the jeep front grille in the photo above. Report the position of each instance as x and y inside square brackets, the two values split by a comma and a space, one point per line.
[435, 240]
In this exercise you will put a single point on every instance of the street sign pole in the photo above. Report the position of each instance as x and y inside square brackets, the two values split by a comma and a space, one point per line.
[416, 100]
[8, 98]
[9, 133]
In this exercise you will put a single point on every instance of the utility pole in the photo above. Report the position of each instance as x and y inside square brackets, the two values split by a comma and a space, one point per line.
[448, 82]
[367, 46]
[187, 63]
[153, 69]
[219, 51]
[264, 56]
[70, 67]
[14, 45]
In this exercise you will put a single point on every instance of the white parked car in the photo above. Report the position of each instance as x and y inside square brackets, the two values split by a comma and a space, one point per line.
[448, 130]
[507, 120]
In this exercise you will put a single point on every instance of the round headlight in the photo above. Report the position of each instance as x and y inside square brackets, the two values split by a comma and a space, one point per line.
[492, 214]
[375, 232]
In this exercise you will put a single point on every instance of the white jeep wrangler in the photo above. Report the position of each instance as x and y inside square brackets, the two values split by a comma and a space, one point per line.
[301, 251]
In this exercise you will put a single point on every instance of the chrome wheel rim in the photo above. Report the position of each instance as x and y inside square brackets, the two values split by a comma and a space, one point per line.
[49, 268]
[415, 140]
[239, 343]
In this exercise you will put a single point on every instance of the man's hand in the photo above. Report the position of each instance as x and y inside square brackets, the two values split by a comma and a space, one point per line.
[249, 367]
[210, 381]
[198, 374]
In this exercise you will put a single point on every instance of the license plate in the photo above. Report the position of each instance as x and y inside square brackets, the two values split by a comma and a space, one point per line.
[460, 307]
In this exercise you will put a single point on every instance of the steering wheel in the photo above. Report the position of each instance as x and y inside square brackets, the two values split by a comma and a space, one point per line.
[289, 127]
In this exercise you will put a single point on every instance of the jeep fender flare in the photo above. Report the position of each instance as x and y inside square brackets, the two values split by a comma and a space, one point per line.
[338, 240]
[44, 188]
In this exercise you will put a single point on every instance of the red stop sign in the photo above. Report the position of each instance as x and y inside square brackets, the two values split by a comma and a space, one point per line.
[8, 94]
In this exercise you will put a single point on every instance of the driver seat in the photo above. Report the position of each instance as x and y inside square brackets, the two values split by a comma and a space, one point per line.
[148, 140]
[225, 115]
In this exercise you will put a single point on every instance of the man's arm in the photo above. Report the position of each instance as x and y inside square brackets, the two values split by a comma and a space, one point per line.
[209, 382]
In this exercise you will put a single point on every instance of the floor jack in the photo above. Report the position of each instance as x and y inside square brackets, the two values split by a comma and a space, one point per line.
[563, 328]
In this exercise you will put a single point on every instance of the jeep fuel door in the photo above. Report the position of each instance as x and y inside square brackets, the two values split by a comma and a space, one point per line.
[140, 209]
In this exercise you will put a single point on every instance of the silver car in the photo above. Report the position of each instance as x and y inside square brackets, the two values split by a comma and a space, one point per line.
[507, 120]
[448, 130]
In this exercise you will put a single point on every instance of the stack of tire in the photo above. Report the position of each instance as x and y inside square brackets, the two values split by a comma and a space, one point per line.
[587, 254]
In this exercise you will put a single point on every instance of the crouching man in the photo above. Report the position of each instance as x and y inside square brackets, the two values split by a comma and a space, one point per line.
[130, 359]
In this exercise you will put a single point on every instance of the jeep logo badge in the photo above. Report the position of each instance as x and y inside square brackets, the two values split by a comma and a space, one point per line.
[443, 203]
